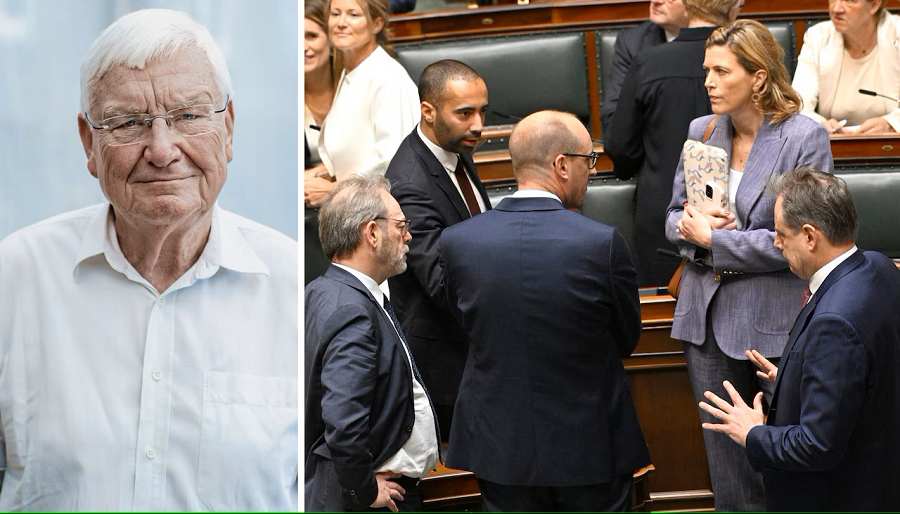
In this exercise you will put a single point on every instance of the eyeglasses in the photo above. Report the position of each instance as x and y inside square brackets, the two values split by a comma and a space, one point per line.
[130, 128]
[402, 224]
[593, 156]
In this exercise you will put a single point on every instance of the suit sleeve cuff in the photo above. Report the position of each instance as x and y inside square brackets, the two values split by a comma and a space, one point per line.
[755, 453]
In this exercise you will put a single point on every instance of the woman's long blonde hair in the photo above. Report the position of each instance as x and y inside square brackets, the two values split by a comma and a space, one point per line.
[756, 49]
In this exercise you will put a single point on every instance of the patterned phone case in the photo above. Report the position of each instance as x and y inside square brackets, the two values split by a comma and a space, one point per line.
[705, 174]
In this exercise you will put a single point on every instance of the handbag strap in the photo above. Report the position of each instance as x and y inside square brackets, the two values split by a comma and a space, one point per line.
[709, 128]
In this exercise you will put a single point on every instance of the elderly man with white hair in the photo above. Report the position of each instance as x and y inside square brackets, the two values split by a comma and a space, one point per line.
[148, 345]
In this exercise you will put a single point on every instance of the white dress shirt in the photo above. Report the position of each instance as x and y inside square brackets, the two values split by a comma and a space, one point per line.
[449, 161]
[116, 397]
[534, 193]
[816, 280]
[375, 106]
[419, 454]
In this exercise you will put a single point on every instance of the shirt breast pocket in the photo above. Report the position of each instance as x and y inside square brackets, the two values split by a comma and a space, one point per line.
[248, 453]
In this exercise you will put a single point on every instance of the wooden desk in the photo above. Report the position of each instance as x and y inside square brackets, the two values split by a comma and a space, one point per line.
[555, 15]
[494, 166]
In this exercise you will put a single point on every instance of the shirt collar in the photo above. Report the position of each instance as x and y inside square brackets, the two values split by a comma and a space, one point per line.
[816, 280]
[448, 160]
[535, 193]
[367, 281]
[227, 247]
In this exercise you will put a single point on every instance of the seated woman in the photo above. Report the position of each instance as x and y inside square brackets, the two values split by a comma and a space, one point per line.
[318, 83]
[857, 49]
[376, 104]
[737, 291]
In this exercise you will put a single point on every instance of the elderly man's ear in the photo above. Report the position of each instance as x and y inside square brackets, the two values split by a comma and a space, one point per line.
[87, 142]
[229, 129]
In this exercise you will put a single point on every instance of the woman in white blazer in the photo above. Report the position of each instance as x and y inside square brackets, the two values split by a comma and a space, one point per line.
[376, 104]
[859, 48]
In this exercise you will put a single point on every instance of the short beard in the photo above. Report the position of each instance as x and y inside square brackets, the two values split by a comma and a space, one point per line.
[385, 257]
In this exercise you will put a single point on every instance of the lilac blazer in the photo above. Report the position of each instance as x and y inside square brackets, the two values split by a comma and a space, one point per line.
[743, 285]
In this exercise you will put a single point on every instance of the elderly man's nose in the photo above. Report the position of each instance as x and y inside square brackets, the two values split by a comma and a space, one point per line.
[161, 149]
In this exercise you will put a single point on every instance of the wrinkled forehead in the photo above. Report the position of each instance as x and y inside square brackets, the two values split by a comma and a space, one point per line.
[182, 78]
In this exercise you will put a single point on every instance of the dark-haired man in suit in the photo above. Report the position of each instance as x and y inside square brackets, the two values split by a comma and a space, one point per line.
[435, 181]
[829, 442]
[666, 19]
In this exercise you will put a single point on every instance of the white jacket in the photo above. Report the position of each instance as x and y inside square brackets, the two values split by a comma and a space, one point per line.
[819, 66]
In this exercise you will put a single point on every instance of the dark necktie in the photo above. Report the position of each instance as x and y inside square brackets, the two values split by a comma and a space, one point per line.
[468, 195]
[806, 295]
[391, 314]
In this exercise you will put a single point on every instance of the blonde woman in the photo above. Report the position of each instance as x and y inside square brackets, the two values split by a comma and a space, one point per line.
[376, 104]
[737, 291]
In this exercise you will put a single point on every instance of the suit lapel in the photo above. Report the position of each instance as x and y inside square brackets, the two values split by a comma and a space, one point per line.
[760, 166]
[803, 318]
[441, 178]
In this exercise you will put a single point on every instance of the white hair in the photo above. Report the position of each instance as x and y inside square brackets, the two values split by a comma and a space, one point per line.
[139, 37]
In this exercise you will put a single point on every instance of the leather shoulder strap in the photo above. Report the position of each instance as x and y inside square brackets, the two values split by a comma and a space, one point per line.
[709, 128]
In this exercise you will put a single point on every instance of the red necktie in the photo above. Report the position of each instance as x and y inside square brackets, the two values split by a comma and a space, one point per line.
[806, 295]
[468, 195]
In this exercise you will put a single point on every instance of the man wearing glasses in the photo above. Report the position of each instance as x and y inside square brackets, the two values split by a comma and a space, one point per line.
[148, 345]
[371, 432]
[550, 306]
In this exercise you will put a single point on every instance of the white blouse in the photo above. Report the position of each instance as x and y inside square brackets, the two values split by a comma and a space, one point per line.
[375, 106]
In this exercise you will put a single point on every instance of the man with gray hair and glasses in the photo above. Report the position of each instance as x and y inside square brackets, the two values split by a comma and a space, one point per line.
[371, 432]
[829, 439]
[148, 345]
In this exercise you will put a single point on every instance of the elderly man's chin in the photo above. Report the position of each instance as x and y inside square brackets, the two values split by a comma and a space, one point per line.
[164, 208]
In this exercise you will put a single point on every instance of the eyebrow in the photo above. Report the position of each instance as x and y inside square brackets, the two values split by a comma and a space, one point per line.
[125, 109]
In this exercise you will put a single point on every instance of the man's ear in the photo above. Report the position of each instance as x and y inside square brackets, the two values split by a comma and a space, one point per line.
[561, 167]
[229, 130]
[371, 234]
[87, 143]
[429, 112]
[811, 236]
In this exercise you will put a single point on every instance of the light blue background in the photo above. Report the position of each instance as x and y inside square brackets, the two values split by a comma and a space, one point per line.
[42, 44]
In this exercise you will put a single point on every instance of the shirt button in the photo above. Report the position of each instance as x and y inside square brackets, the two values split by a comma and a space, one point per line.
[157, 375]
[150, 453]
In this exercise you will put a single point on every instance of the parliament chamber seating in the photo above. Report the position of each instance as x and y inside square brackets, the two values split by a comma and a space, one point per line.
[520, 80]
[557, 54]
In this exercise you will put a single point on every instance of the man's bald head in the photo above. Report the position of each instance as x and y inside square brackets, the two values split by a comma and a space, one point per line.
[541, 148]
[540, 137]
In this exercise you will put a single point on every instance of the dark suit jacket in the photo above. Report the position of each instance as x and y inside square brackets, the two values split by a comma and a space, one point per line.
[663, 92]
[423, 189]
[359, 400]
[831, 441]
[550, 306]
[630, 43]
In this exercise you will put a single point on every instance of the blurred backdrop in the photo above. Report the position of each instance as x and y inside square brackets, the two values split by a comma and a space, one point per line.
[42, 44]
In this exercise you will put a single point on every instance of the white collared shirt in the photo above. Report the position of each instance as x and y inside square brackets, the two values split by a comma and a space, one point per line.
[375, 106]
[449, 161]
[419, 453]
[116, 397]
[816, 280]
[534, 193]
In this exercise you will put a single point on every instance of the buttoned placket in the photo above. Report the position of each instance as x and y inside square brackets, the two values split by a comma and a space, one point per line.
[155, 405]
